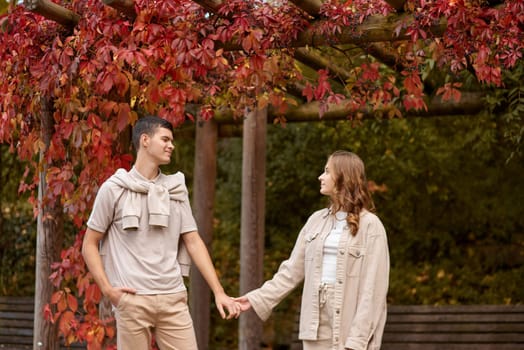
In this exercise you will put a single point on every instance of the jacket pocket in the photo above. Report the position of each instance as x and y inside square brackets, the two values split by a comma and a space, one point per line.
[355, 257]
[309, 252]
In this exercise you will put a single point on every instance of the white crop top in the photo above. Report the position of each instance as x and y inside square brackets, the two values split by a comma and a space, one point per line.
[329, 260]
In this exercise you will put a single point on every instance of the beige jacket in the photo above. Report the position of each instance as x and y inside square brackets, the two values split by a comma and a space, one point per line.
[362, 277]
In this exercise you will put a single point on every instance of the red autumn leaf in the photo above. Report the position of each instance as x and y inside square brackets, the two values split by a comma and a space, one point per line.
[72, 302]
[67, 319]
[123, 116]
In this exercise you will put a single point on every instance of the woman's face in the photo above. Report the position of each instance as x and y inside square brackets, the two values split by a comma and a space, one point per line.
[327, 181]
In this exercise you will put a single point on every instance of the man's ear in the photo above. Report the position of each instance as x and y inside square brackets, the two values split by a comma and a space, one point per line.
[144, 140]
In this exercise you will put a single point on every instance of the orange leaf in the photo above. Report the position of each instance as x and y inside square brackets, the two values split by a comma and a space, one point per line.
[72, 302]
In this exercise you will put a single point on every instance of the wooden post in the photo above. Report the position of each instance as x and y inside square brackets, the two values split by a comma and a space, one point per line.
[252, 221]
[49, 240]
[203, 202]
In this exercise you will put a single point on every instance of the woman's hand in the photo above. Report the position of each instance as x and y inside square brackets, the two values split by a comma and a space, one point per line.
[244, 303]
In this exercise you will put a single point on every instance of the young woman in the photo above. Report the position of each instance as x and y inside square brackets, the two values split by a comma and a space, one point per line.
[342, 256]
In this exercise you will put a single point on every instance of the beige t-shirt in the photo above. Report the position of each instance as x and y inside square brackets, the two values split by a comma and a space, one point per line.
[143, 258]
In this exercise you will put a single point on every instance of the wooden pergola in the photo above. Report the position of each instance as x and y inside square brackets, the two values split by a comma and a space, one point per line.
[252, 127]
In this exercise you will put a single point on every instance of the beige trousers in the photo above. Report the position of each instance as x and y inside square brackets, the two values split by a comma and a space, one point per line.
[164, 316]
[325, 333]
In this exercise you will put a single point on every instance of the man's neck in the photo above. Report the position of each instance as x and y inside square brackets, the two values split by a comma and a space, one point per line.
[147, 169]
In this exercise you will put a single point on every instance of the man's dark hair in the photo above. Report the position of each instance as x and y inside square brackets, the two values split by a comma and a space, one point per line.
[148, 125]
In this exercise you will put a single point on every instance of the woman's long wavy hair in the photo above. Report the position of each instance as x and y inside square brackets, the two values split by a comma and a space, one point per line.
[351, 187]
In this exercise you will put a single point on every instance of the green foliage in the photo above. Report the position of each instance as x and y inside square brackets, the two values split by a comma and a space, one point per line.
[4, 5]
[17, 250]
[509, 103]
[17, 230]
[11, 170]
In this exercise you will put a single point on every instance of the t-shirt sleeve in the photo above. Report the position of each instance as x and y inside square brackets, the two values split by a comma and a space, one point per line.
[103, 209]
[188, 223]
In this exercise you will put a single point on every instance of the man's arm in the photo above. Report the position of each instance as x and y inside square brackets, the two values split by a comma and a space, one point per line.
[199, 254]
[93, 261]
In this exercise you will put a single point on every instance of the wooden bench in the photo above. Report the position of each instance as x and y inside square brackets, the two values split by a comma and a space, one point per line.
[16, 324]
[457, 327]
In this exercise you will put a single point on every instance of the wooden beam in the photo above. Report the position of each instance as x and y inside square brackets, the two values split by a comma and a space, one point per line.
[396, 4]
[470, 103]
[127, 7]
[388, 57]
[316, 61]
[374, 29]
[211, 5]
[385, 55]
[312, 7]
[54, 12]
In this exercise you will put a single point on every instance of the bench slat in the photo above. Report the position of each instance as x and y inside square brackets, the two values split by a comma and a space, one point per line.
[454, 309]
[17, 307]
[16, 316]
[8, 331]
[408, 346]
[16, 323]
[458, 318]
[490, 338]
[13, 340]
[16, 300]
[455, 327]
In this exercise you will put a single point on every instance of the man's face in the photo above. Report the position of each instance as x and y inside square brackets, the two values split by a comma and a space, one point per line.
[159, 146]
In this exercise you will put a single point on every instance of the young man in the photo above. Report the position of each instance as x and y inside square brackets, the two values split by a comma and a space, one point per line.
[143, 224]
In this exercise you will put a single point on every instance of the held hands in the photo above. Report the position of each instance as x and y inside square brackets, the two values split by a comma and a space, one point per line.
[244, 303]
[234, 306]
[222, 300]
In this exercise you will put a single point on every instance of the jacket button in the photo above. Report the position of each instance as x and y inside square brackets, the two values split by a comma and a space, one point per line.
[339, 281]
[358, 252]
[341, 251]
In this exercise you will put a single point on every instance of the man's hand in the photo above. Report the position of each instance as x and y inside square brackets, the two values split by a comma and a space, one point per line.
[116, 293]
[222, 300]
